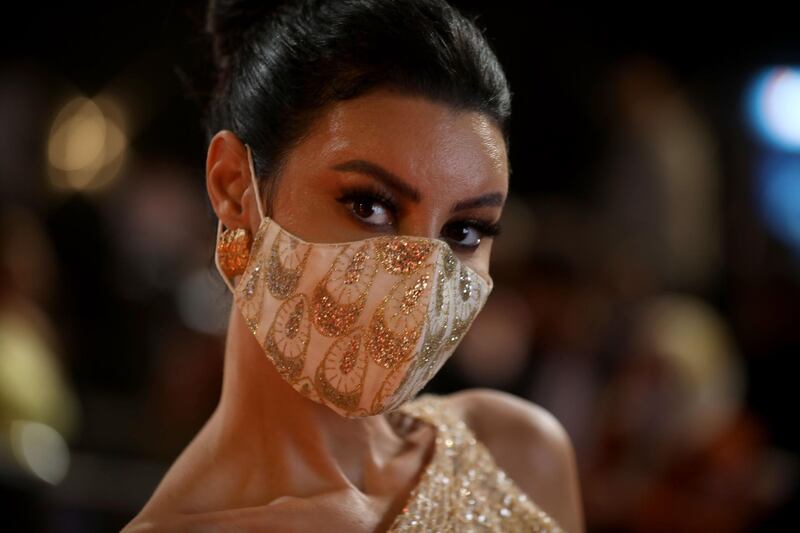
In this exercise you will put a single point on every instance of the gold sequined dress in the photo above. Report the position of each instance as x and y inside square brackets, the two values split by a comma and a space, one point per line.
[462, 489]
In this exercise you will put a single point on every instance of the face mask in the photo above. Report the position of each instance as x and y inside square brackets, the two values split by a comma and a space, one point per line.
[358, 326]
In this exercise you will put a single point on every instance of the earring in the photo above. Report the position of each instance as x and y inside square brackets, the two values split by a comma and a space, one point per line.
[233, 250]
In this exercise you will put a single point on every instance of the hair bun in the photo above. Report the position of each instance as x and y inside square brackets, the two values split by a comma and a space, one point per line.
[228, 21]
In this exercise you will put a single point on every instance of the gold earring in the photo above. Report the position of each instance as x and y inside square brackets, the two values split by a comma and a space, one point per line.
[233, 250]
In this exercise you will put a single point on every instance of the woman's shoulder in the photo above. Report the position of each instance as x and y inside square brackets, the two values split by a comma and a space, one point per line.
[492, 409]
[529, 444]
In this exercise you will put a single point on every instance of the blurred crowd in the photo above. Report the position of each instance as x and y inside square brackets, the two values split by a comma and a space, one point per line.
[648, 306]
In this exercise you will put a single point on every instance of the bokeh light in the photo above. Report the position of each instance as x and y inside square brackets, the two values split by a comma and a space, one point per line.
[87, 145]
[774, 104]
[40, 449]
[778, 194]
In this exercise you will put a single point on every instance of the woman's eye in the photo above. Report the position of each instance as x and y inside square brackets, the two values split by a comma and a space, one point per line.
[371, 211]
[463, 235]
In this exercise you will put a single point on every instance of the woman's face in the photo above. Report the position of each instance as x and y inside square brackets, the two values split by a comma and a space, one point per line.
[379, 164]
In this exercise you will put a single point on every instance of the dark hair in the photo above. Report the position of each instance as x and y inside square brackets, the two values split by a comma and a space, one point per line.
[279, 67]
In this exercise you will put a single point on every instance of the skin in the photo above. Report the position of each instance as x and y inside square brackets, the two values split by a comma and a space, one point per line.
[269, 459]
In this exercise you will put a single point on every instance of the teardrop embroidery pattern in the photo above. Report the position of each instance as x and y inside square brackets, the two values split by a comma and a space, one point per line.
[293, 303]
[397, 323]
[339, 297]
[340, 375]
[288, 336]
[436, 330]
[252, 296]
[252, 290]
[466, 293]
[425, 363]
[287, 260]
[449, 263]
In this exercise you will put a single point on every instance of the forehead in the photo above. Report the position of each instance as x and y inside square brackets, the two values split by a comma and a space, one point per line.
[428, 144]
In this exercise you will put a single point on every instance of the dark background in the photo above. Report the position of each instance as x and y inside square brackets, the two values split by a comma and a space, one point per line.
[636, 179]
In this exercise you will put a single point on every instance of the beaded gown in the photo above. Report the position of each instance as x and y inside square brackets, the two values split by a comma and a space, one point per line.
[462, 489]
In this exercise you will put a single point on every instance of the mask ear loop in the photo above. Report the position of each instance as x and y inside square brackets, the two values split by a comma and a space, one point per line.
[219, 222]
[253, 181]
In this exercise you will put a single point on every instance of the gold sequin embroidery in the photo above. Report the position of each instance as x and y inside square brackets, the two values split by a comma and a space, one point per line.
[251, 290]
[462, 489]
[397, 323]
[288, 336]
[251, 295]
[449, 262]
[287, 259]
[464, 309]
[340, 375]
[296, 296]
[339, 298]
[403, 255]
[429, 358]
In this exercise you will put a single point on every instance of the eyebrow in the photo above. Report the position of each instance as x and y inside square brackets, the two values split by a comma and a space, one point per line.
[362, 166]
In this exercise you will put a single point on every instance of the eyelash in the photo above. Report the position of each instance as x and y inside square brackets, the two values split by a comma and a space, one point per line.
[485, 228]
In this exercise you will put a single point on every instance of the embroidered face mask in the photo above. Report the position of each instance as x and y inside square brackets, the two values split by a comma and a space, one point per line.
[358, 326]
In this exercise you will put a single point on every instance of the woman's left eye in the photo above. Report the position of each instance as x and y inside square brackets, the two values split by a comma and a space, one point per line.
[467, 234]
[463, 234]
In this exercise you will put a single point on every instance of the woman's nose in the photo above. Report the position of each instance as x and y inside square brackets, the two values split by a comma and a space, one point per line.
[419, 224]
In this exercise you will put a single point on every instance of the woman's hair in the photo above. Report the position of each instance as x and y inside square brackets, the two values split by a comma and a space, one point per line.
[279, 67]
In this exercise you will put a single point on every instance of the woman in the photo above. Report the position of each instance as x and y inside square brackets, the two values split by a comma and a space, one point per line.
[376, 133]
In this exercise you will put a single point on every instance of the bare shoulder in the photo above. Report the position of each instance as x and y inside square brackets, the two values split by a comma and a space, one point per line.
[530, 445]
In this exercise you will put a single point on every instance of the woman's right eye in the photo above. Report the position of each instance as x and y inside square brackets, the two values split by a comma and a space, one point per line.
[369, 208]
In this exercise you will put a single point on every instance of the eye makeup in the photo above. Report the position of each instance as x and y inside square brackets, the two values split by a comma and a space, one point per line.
[371, 194]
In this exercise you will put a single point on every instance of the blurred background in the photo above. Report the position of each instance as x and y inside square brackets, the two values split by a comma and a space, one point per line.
[647, 281]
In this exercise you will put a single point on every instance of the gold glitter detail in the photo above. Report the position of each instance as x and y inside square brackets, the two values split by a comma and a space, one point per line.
[464, 285]
[440, 296]
[397, 322]
[293, 324]
[292, 290]
[339, 378]
[349, 358]
[429, 358]
[252, 280]
[462, 488]
[403, 256]
[251, 294]
[339, 298]
[468, 293]
[353, 271]
[460, 327]
[411, 297]
[331, 319]
[287, 339]
[287, 260]
[449, 262]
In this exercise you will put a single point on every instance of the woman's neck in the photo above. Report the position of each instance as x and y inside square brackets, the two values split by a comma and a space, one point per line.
[302, 447]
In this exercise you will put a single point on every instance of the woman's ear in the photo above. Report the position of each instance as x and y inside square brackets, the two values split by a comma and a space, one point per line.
[228, 181]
